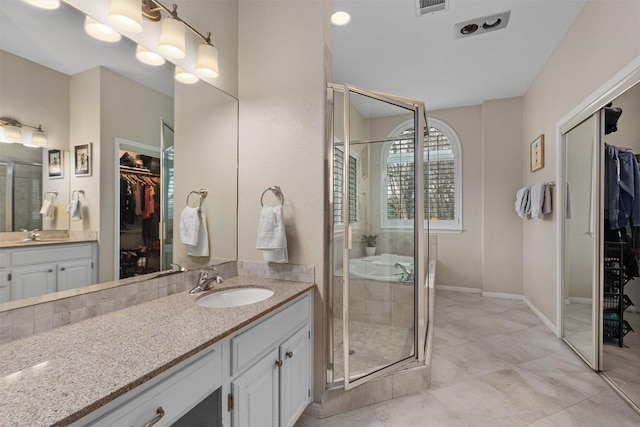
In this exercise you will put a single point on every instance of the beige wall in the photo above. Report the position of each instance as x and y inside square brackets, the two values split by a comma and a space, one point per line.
[601, 41]
[501, 178]
[37, 95]
[282, 104]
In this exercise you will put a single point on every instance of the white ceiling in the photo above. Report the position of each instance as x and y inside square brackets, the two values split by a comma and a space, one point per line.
[388, 48]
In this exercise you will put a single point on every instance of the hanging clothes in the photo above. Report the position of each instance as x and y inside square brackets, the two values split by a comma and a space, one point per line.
[623, 187]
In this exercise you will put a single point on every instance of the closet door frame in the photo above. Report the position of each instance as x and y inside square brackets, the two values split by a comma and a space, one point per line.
[619, 83]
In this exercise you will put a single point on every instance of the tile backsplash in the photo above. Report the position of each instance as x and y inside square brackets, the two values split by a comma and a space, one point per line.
[32, 319]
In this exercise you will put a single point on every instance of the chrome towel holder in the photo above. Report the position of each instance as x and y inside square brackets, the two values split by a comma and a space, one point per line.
[275, 189]
[75, 195]
[53, 195]
[202, 193]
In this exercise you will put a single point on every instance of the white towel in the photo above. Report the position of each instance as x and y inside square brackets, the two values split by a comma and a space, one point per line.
[75, 210]
[189, 226]
[547, 206]
[537, 199]
[520, 201]
[201, 248]
[272, 239]
[48, 209]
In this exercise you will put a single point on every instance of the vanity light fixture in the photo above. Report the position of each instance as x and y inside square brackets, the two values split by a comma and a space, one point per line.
[44, 4]
[126, 15]
[172, 36]
[184, 76]
[148, 57]
[100, 31]
[13, 133]
[207, 62]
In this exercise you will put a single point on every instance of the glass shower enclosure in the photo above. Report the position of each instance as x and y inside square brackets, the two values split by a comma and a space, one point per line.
[377, 316]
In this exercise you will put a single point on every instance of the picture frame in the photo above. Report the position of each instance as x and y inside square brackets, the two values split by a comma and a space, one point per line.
[55, 164]
[536, 154]
[82, 159]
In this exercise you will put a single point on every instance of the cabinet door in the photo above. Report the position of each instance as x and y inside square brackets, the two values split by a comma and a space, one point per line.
[5, 289]
[33, 281]
[256, 394]
[75, 274]
[295, 376]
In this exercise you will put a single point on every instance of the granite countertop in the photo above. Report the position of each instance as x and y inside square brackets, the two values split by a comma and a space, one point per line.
[59, 376]
[15, 239]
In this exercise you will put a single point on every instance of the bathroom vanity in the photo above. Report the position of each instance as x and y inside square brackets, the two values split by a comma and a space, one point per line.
[34, 268]
[169, 360]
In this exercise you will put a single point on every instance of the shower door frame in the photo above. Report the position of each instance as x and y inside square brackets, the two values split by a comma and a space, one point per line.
[420, 317]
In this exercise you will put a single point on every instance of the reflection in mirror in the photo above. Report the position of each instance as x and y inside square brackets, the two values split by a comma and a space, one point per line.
[579, 253]
[621, 354]
[84, 91]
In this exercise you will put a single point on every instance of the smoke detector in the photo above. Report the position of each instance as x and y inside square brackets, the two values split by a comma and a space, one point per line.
[481, 25]
[430, 6]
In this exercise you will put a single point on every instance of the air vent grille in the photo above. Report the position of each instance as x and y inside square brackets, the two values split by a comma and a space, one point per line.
[430, 6]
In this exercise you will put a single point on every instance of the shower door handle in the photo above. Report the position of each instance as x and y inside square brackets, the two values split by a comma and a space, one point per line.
[349, 237]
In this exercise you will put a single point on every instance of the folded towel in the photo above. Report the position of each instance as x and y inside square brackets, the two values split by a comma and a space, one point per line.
[201, 248]
[537, 199]
[272, 239]
[75, 210]
[189, 226]
[48, 209]
[547, 207]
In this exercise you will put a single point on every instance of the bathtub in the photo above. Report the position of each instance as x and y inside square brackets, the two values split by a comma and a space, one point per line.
[379, 267]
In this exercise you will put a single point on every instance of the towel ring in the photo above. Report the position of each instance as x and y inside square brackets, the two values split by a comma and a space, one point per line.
[76, 194]
[275, 190]
[202, 193]
[53, 195]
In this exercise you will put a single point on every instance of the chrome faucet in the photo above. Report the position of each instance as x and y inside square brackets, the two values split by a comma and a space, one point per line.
[33, 236]
[205, 281]
[406, 275]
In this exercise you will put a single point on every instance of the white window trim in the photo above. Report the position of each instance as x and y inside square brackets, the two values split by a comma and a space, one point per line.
[437, 226]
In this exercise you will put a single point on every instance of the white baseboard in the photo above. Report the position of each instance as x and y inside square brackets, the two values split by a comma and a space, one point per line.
[502, 295]
[458, 289]
[542, 317]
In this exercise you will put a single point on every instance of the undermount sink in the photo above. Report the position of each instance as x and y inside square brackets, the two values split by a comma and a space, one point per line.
[45, 240]
[234, 297]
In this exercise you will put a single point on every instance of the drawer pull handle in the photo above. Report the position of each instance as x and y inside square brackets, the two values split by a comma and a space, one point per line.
[62, 269]
[158, 417]
[279, 363]
[50, 270]
[289, 354]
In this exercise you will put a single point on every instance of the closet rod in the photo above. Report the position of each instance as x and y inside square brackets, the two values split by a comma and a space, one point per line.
[129, 169]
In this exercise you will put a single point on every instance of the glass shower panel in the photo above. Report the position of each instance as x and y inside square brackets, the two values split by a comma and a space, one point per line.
[580, 231]
[5, 199]
[27, 196]
[378, 201]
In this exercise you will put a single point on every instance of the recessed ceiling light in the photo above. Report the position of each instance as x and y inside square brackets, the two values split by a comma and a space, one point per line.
[495, 23]
[468, 29]
[340, 18]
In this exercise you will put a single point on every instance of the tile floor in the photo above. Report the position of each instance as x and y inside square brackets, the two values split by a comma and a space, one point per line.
[496, 364]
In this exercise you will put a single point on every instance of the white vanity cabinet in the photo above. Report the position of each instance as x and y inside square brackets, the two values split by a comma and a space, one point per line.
[271, 368]
[37, 270]
[173, 399]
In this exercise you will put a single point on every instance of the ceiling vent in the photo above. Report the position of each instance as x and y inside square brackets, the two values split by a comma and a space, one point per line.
[482, 25]
[430, 6]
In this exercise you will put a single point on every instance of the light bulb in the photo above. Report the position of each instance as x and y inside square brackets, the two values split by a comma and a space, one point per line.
[340, 18]
[184, 76]
[148, 57]
[100, 31]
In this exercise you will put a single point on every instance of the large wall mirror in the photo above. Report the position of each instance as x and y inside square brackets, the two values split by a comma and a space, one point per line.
[84, 91]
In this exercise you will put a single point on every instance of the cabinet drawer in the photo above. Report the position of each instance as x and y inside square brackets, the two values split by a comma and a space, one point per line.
[52, 253]
[249, 346]
[176, 394]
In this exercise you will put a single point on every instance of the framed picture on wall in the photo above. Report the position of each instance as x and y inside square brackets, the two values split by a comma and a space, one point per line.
[55, 166]
[82, 159]
[536, 155]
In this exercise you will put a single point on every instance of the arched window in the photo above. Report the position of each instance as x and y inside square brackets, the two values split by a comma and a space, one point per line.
[442, 178]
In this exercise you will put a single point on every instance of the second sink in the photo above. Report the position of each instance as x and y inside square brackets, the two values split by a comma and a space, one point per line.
[234, 297]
